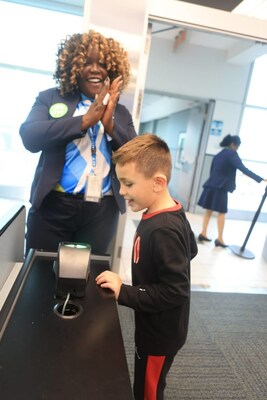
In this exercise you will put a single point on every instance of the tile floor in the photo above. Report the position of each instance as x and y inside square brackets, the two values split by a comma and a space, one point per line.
[215, 269]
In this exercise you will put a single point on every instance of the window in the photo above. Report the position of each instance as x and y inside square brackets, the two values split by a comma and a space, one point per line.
[258, 84]
[29, 40]
[253, 138]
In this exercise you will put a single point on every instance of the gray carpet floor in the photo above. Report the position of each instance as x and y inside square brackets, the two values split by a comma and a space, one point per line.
[225, 356]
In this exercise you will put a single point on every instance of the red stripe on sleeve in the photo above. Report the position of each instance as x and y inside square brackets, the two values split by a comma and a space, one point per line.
[136, 250]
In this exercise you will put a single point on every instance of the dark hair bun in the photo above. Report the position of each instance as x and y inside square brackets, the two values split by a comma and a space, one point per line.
[228, 139]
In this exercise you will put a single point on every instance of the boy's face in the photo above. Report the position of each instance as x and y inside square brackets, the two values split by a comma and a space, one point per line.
[135, 187]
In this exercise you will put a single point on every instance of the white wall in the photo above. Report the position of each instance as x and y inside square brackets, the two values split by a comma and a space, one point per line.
[230, 113]
[200, 73]
[194, 71]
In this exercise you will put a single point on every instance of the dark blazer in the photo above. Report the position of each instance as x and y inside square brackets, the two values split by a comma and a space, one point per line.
[223, 171]
[50, 135]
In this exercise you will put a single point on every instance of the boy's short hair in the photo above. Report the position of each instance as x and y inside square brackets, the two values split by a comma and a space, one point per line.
[150, 154]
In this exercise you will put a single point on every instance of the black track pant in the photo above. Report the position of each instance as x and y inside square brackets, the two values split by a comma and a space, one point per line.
[150, 376]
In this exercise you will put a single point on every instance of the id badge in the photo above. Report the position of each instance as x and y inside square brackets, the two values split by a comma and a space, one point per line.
[93, 188]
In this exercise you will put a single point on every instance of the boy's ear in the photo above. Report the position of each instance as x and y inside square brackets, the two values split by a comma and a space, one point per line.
[160, 183]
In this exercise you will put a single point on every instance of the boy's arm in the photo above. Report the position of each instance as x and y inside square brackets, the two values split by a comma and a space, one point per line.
[110, 280]
[171, 262]
[167, 285]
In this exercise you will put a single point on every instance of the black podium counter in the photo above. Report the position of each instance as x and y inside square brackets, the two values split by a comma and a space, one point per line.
[46, 356]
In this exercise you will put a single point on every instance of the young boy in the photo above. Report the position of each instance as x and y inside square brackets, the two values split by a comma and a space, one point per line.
[163, 246]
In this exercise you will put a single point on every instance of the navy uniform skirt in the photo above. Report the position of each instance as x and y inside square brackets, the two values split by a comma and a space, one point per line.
[214, 199]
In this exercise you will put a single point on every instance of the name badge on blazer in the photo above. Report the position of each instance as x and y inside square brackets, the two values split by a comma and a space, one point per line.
[58, 110]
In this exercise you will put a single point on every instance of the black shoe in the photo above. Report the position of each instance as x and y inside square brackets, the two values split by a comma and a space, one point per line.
[220, 244]
[203, 238]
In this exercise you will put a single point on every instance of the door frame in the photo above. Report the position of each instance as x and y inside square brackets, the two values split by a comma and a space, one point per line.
[208, 19]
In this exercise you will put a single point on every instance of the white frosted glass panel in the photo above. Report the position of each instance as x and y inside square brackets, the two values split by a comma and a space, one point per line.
[258, 85]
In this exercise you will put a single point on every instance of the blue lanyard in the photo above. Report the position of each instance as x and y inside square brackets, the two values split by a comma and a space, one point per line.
[93, 131]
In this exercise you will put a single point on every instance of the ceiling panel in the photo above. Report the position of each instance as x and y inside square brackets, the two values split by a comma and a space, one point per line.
[226, 5]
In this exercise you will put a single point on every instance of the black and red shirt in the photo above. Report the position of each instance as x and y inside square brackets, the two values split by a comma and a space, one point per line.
[164, 245]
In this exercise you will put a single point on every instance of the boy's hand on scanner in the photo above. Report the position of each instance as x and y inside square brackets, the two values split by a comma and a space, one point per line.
[110, 280]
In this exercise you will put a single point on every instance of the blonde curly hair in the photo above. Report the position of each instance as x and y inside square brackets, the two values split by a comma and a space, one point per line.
[72, 56]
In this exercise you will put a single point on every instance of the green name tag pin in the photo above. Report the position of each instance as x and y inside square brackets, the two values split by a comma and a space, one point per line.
[58, 110]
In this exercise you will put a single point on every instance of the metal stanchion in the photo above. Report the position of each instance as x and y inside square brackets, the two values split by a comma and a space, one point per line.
[242, 251]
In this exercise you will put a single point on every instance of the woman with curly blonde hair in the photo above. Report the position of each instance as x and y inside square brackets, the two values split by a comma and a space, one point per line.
[76, 126]
[72, 58]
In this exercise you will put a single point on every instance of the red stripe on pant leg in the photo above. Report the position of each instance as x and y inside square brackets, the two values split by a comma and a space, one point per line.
[153, 371]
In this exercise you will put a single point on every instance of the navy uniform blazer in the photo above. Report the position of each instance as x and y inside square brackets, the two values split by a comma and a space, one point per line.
[43, 132]
[223, 171]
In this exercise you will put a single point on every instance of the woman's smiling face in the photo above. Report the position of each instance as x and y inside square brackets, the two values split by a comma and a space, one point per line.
[93, 75]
